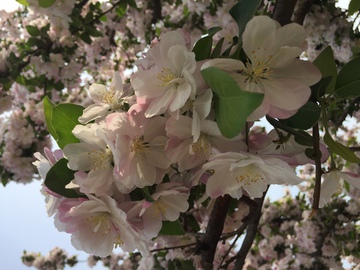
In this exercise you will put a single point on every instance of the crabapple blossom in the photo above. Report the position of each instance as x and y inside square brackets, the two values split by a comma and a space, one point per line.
[232, 172]
[97, 225]
[106, 100]
[92, 158]
[186, 152]
[272, 68]
[139, 145]
[170, 199]
[169, 83]
[283, 146]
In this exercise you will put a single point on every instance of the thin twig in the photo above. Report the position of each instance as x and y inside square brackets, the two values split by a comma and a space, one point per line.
[318, 170]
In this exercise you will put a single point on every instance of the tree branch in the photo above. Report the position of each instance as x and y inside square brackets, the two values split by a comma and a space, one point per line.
[250, 234]
[303, 8]
[213, 231]
[318, 170]
[284, 10]
[156, 11]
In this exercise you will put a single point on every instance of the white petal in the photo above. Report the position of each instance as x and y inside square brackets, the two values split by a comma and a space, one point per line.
[329, 186]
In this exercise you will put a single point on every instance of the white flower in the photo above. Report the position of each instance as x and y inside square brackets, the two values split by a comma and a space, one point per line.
[106, 100]
[272, 67]
[97, 226]
[139, 144]
[233, 172]
[333, 182]
[169, 83]
[91, 155]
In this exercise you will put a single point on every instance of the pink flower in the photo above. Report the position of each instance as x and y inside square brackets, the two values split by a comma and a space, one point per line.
[139, 144]
[231, 173]
[272, 67]
[169, 83]
[97, 226]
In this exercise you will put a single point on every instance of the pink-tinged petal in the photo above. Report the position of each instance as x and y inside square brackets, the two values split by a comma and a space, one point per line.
[279, 172]
[329, 186]
[299, 70]
[202, 104]
[180, 128]
[291, 34]
[260, 111]
[152, 222]
[280, 113]
[146, 83]
[181, 59]
[256, 189]
[286, 93]
[181, 94]
[147, 174]
[159, 105]
[259, 37]
[97, 91]
[154, 127]
[93, 112]
[226, 64]
[284, 57]
[217, 184]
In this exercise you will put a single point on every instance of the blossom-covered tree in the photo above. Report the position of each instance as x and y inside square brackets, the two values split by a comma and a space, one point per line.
[155, 108]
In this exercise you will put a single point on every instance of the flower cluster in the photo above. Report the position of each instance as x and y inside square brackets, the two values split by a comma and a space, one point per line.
[56, 259]
[143, 147]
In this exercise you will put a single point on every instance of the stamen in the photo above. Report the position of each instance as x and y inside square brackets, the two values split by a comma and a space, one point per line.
[100, 159]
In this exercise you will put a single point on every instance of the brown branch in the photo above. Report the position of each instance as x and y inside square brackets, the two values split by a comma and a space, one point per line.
[303, 8]
[318, 170]
[355, 148]
[214, 229]
[157, 9]
[250, 234]
[284, 10]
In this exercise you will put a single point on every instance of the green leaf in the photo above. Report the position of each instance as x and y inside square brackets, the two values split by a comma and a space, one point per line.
[46, 3]
[92, 31]
[48, 107]
[86, 38]
[58, 177]
[217, 50]
[340, 149]
[64, 119]
[120, 10]
[146, 193]
[303, 138]
[32, 41]
[348, 81]
[232, 104]
[305, 118]
[243, 12]
[309, 152]
[319, 89]
[202, 48]
[213, 30]
[301, 135]
[325, 62]
[354, 6]
[33, 30]
[172, 228]
[23, 2]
